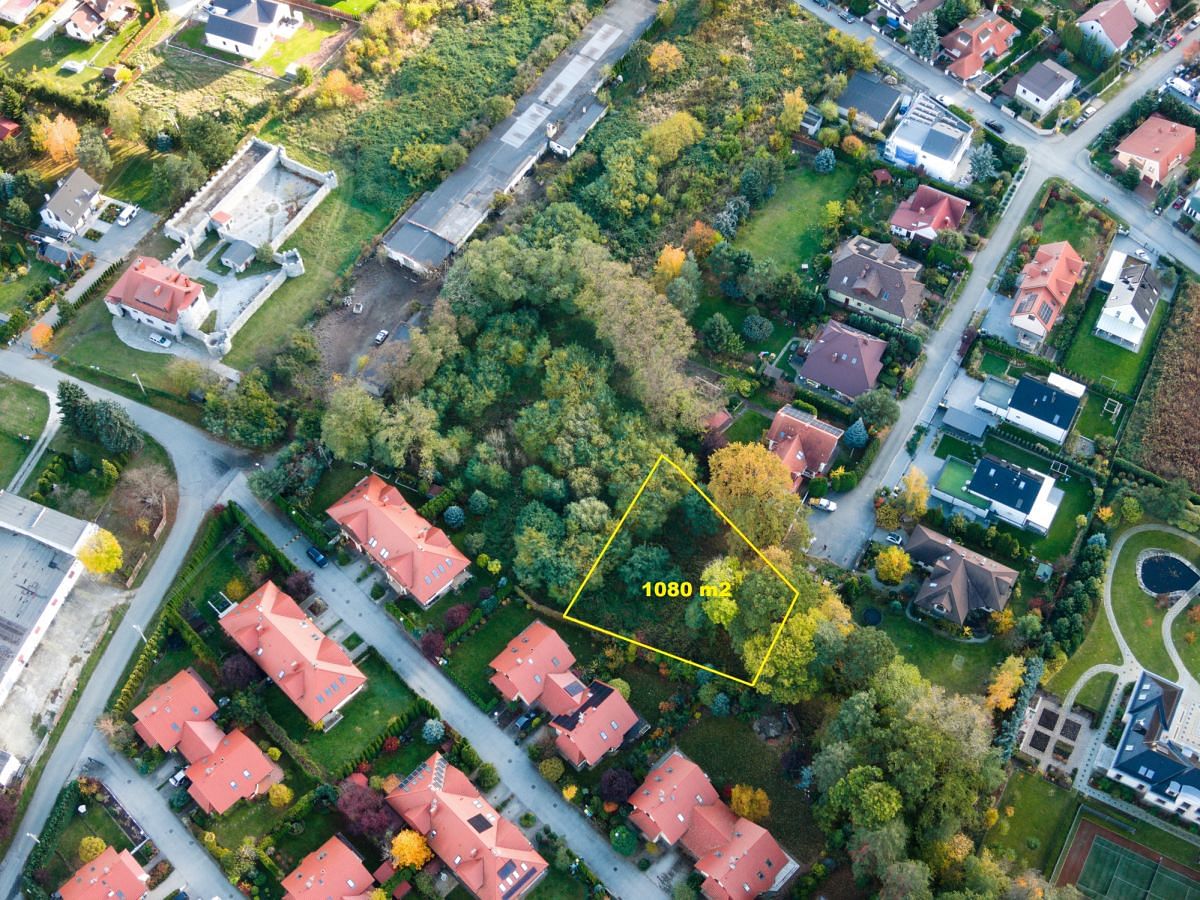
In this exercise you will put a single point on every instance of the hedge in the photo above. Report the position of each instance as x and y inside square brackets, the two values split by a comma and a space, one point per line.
[285, 565]
[457, 634]
[438, 505]
[299, 755]
[824, 405]
[1006, 737]
[396, 725]
[192, 638]
[47, 843]
[869, 453]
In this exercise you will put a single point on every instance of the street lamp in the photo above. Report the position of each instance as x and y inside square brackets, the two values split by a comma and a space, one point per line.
[141, 634]
[34, 837]
[139, 381]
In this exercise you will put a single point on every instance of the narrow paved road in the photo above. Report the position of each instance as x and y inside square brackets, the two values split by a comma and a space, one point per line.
[53, 421]
[347, 598]
[203, 467]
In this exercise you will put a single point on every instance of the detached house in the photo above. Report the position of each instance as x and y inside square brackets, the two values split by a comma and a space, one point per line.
[926, 213]
[16, 11]
[1045, 286]
[70, 208]
[1133, 295]
[904, 13]
[1148, 11]
[1111, 23]
[92, 17]
[874, 103]
[975, 41]
[111, 874]
[843, 360]
[416, 557]
[1045, 408]
[804, 443]
[159, 296]
[599, 724]
[331, 872]
[876, 279]
[1157, 148]
[929, 138]
[249, 27]
[1045, 86]
[1021, 497]
[961, 581]
[177, 713]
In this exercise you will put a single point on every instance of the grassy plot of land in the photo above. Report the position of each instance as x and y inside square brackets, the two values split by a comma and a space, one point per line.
[1042, 815]
[747, 428]
[132, 177]
[23, 411]
[1062, 222]
[49, 56]
[956, 666]
[304, 43]
[1096, 357]
[786, 229]
[557, 885]
[949, 445]
[991, 364]
[64, 861]
[13, 293]
[955, 477]
[469, 659]
[712, 303]
[1093, 421]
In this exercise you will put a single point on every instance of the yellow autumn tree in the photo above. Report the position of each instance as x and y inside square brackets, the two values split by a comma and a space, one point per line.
[794, 108]
[1104, 514]
[409, 848]
[665, 59]
[669, 265]
[39, 335]
[280, 795]
[101, 553]
[672, 136]
[750, 802]
[892, 564]
[1003, 621]
[914, 495]
[90, 847]
[1006, 681]
[62, 137]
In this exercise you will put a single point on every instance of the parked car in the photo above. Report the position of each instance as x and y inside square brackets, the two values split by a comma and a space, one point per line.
[995, 126]
[1142, 254]
[1178, 204]
[524, 719]
[846, 17]
[127, 215]
[1194, 24]
[318, 557]
[895, 537]
[156, 338]
[1173, 40]
[381, 336]
[943, 99]
[823, 503]
[179, 777]
[1158, 210]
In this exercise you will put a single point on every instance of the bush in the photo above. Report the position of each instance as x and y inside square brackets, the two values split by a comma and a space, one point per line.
[454, 516]
[551, 769]
[433, 731]
[455, 616]
[756, 328]
[623, 840]
[487, 776]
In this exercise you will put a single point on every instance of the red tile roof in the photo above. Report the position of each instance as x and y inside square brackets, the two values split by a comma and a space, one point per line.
[8, 128]
[930, 208]
[803, 442]
[331, 872]
[313, 670]
[161, 719]
[490, 856]
[1047, 284]
[595, 728]
[524, 666]
[112, 874]
[662, 806]
[974, 41]
[415, 554]
[1160, 140]
[236, 770]
[200, 739]
[157, 290]
[1114, 19]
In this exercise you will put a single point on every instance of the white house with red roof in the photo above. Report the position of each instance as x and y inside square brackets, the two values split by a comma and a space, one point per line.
[92, 17]
[1148, 11]
[975, 41]
[738, 858]
[312, 669]
[1110, 22]
[927, 212]
[535, 667]
[804, 443]
[417, 557]
[159, 296]
[600, 723]
[487, 853]
[1157, 148]
[334, 871]
[111, 874]
[1046, 284]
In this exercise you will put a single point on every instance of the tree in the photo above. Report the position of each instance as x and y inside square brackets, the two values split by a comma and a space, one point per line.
[914, 493]
[757, 328]
[887, 516]
[114, 428]
[248, 414]
[61, 137]
[753, 487]
[984, 165]
[238, 671]
[1006, 682]
[551, 769]
[183, 175]
[750, 802]
[497, 108]
[1069, 110]
[363, 809]
[669, 265]
[92, 153]
[456, 616]
[877, 408]
[672, 136]
[280, 795]
[854, 147]
[906, 880]
[791, 116]
[40, 335]
[90, 847]
[617, 785]
[487, 776]
[621, 686]
[433, 643]
[18, 211]
[101, 553]
[892, 564]
[832, 214]
[1131, 510]
[720, 337]
[433, 731]
[700, 239]
[623, 840]
[856, 435]
[210, 139]
[75, 408]
[923, 39]
[410, 849]
[299, 584]
[665, 59]
[824, 162]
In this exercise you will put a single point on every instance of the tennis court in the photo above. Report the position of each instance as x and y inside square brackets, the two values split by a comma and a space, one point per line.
[1112, 872]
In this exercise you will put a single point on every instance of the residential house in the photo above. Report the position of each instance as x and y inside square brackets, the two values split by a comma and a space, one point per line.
[159, 296]
[1045, 86]
[1019, 496]
[903, 14]
[927, 212]
[312, 669]
[92, 17]
[804, 443]
[8, 128]
[975, 41]
[1148, 11]
[961, 582]
[536, 667]
[70, 208]
[58, 253]
[843, 360]
[1158, 754]
[334, 871]
[876, 279]
[178, 711]
[416, 557]
[600, 723]
[929, 138]
[238, 255]
[1111, 23]
[247, 28]
[1157, 148]
[487, 853]
[236, 769]
[874, 103]
[1132, 299]
[1045, 286]
[114, 873]
[1045, 408]
[17, 11]
[738, 859]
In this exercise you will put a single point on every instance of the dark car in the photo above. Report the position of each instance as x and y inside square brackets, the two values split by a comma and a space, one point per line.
[846, 17]
[318, 557]
[995, 126]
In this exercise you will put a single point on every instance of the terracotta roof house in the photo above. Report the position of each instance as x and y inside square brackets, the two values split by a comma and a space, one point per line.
[175, 709]
[844, 360]
[975, 41]
[90, 18]
[1157, 148]
[599, 725]
[926, 212]
[235, 770]
[535, 667]
[159, 296]
[112, 874]
[739, 859]
[312, 669]
[486, 852]
[331, 872]
[8, 128]
[1046, 284]
[876, 279]
[416, 556]
[960, 581]
[1110, 22]
[804, 443]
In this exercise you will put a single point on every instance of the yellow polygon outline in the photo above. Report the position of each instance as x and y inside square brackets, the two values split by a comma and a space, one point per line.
[775, 640]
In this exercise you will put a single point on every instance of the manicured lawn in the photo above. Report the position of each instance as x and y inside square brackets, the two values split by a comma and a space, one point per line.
[748, 428]
[353, 7]
[1100, 646]
[1138, 618]
[991, 364]
[787, 228]
[319, 825]
[1062, 222]
[557, 885]
[712, 303]
[23, 410]
[1093, 356]
[469, 659]
[305, 42]
[132, 178]
[12, 293]
[257, 817]
[333, 486]
[1042, 816]
[949, 445]
[1097, 692]
[1093, 421]
[96, 821]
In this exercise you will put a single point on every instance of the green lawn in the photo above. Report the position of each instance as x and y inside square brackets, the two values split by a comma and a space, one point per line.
[954, 478]
[557, 885]
[12, 293]
[65, 860]
[469, 659]
[949, 445]
[319, 825]
[1093, 421]
[333, 486]
[1062, 222]
[303, 43]
[1100, 646]
[991, 364]
[787, 228]
[748, 428]
[257, 817]
[711, 303]
[23, 410]
[1095, 357]
[1042, 815]
[959, 667]
[353, 7]
[132, 179]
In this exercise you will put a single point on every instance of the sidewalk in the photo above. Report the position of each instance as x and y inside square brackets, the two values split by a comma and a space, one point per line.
[53, 421]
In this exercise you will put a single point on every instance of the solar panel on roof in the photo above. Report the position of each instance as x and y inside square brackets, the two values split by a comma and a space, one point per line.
[480, 823]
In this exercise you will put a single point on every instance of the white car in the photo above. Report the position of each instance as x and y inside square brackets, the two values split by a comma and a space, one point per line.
[943, 99]
[157, 338]
[1142, 254]
[823, 503]
[127, 215]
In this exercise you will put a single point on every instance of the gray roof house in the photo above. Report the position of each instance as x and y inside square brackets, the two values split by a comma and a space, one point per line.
[876, 279]
[874, 102]
[960, 581]
[1130, 305]
[71, 205]
[245, 27]
[238, 255]
[1045, 86]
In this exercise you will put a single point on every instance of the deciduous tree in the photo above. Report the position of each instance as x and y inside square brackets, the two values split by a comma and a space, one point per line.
[92, 153]
[410, 849]
[878, 408]
[892, 564]
[363, 809]
[752, 486]
[280, 795]
[914, 492]
[665, 59]
[101, 553]
[1006, 682]
[91, 846]
[750, 802]
[350, 421]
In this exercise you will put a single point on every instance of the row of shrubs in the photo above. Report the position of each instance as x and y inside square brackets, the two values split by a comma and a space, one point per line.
[277, 556]
[47, 843]
[1006, 735]
[299, 755]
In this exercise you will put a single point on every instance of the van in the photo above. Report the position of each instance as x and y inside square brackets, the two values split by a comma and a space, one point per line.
[318, 557]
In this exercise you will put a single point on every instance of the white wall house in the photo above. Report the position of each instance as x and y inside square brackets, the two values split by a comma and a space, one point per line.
[931, 138]
[1130, 305]
[1045, 86]
[70, 208]
[1045, 408]
[161, 297]
[247, 28]
[1148, 11]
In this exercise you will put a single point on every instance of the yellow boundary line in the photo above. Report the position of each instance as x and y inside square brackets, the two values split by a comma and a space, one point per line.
[625, 515]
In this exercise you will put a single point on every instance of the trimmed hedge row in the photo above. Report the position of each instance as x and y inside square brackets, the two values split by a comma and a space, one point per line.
[277, 556]
[299, 755]
[458, 633]
[192, 638]
[438, 505]
[824, 405]
[395, 726]
[60, 816]
[1006, 737]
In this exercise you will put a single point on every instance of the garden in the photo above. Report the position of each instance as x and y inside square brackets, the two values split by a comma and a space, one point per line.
[23, 414]
[787, 228]
[1035, 816]
[1102, 360]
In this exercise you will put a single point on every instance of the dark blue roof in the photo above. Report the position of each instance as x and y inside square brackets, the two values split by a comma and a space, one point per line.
[995, 479]
[1048, 404]
[1145, 752]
